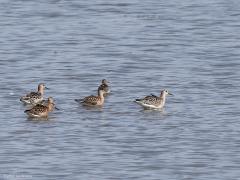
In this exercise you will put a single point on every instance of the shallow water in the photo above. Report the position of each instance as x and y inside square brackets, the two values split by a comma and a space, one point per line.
[190, 48]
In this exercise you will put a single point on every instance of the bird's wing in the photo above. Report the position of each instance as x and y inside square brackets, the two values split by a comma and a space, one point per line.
[38, 109]
[150, 99]
[154, 95]
[33, 94]
[90, 100]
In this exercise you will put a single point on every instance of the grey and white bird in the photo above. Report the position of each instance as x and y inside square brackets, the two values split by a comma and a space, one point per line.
[34, 98]
[152, 101]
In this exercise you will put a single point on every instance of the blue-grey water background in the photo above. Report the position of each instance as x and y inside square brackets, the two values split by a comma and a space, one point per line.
[189, 47]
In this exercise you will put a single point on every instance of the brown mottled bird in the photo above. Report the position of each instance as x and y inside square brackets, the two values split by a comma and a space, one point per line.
[41, 110]
[93, 100]
[34, 97]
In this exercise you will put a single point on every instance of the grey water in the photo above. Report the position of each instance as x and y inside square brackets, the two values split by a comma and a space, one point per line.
[191, 48]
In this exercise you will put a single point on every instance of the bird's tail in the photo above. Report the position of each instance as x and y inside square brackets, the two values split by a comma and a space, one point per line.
[26, 111]
[79, 100]
[24, 98]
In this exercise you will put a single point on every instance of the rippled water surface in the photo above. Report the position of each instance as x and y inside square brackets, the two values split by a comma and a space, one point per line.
[189, 47]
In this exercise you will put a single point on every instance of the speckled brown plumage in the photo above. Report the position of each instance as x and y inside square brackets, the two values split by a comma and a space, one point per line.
[41, 110]
[93, 100]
